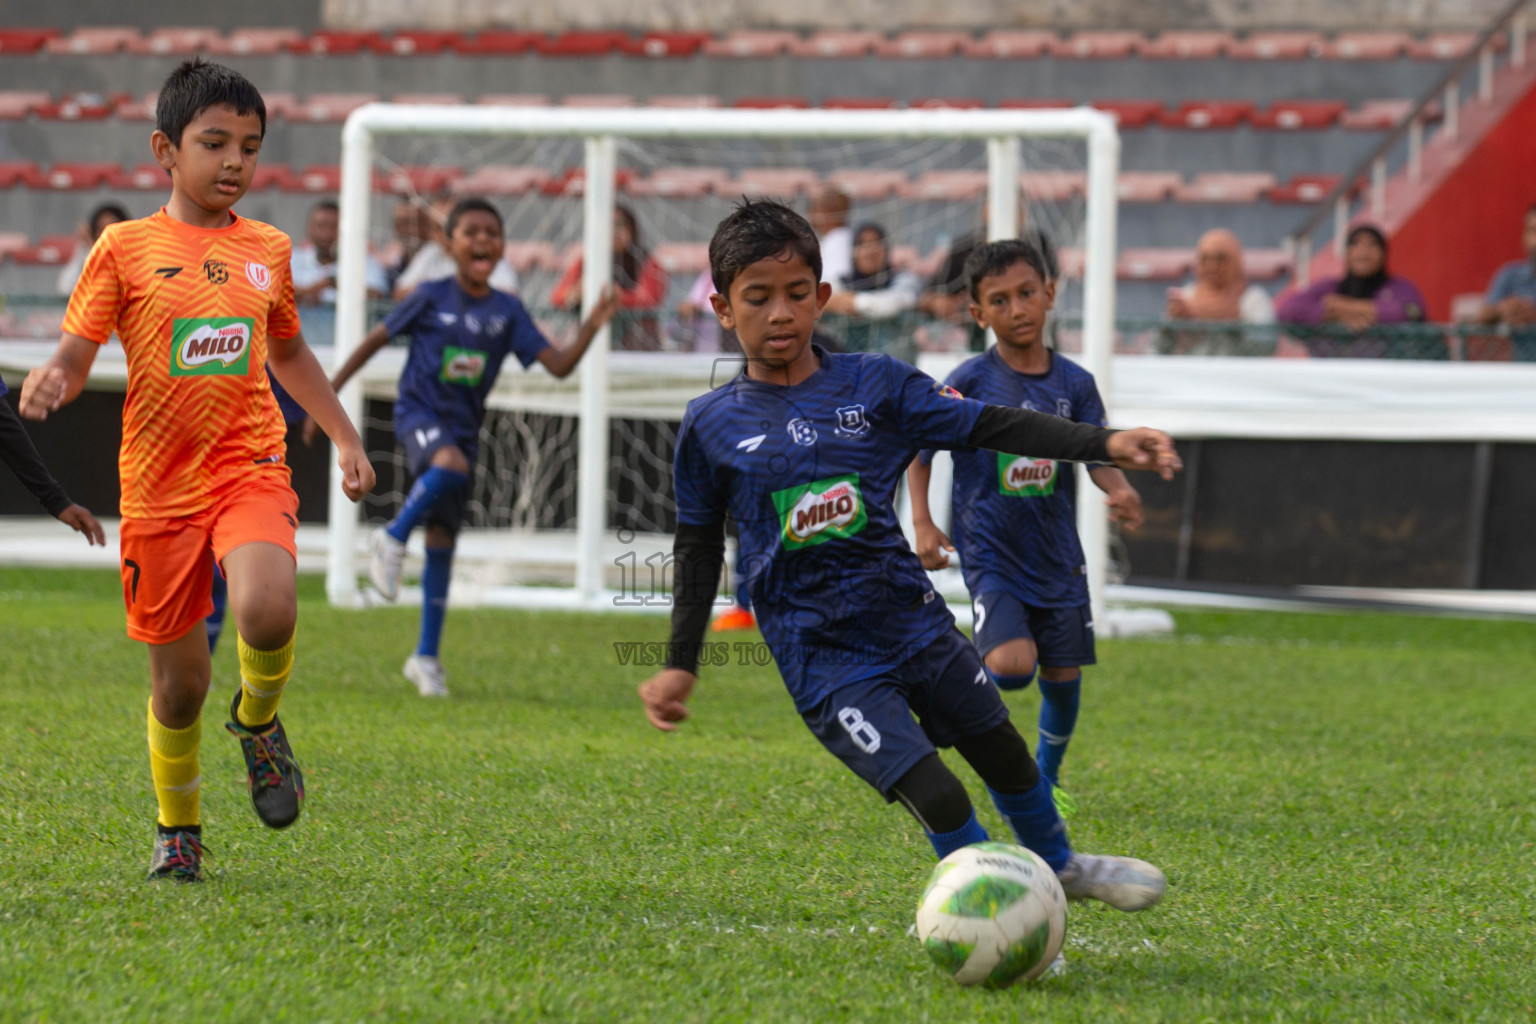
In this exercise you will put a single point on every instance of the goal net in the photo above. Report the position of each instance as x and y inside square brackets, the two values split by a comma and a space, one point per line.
[570, 502]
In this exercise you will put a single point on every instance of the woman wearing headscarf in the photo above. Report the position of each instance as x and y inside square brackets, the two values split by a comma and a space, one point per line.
[875, 290]
[1367, 295]
[1222, 292]
[638, 279]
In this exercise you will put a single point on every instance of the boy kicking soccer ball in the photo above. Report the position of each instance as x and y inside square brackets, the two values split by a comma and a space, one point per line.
[804, 449]
[461, 329]
[202, 299]
[1015, 518]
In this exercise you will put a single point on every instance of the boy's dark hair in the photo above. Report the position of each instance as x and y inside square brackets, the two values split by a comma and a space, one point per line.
[195, 86]
[756, 230]
[472, 204]
[996, 257]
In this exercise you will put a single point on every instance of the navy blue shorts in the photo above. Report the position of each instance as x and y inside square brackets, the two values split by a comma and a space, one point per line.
[1063, 636]
[421, 441]
[869, 724]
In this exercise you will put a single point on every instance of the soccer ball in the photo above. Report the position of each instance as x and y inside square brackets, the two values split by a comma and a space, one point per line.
[992, 914]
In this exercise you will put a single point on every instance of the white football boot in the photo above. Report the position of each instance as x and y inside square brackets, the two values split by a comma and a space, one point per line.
[428, 675]
[1125, 883]
[386, 558]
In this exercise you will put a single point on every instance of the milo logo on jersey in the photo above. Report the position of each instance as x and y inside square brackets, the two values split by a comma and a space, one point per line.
[218, 346]
[462, 366]
[820, 511]
[1019, 476]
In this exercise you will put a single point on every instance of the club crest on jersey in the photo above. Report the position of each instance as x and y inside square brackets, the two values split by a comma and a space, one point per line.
[851, 421]
[217, 271]
[801, 432]
[820, 511]
[211, 346]
[258, 275]
[1019, 476]
[462, 366]
[947, 391]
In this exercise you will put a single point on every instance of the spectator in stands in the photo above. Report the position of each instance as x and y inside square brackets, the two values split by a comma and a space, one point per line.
[1366, 296]
[640, 281]
[413, 229]
[874, 290]
[829, 219]
[432, 262]
[1220, 292]
[314, 260]
[1511, 295]
[106, 213]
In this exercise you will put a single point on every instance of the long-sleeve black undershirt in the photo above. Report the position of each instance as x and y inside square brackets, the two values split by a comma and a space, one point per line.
[18, 452]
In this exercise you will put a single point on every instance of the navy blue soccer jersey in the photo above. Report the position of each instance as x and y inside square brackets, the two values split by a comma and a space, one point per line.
[808, 472]
[1014, 519]
[458, 343]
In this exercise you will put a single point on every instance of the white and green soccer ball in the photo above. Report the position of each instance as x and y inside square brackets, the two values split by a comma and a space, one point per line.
[992, 914]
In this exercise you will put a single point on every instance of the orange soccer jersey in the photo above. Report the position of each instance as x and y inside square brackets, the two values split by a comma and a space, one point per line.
[194, 308]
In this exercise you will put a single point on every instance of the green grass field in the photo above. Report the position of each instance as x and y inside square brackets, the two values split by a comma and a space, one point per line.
[1343, 805]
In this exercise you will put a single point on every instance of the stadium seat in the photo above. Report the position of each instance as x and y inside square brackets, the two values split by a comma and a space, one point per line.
[583, 44]
[1155, 264]
[526, 256]
[83, 106]
[74, 176]
[142, 108]
[50, 250]
[1072, 261]
[1443, 46]
[1147, 186]
[1026, 103]
[498, 42]
[946, 103]
[25, 40]
[1365, 46]
[867, 183]
[281, 106]
[144, 177]
[1267, 264]
[1305, 188]
[501, 180]
[958, 186]
[423, 99]
[698, 101]
[1187, 45]
[1053, 186]
[320, 178]
[681, 182]
[668, 44]
[255, 41]
[278, 176]
[858, 103]
[837, 44]
[338, 41]
[1101, 45]
[411, 42]
[1226, 187]
[16, 172]
[774, 181]
[1276, 46]
[94, 41]
[751, 44]
[598, 99]
[1012, 44]
[18, 105]
[178, 41]
[1296, 115]
[772, 103]
[12, 241]
[417, 179]
[333, 106]
[1201, 114]
[1131, 113]
[682, 257]
[933, 44]
[1375, 115]
[513, 99]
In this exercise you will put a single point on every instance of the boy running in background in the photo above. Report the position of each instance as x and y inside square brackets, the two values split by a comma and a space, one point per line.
[460, 330]
[201, 298]
[18, 452]
[1015, 517]
[805, 449]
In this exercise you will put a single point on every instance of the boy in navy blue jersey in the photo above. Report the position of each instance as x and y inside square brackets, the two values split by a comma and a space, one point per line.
[461, 329]
[1015, 517]
[804, 449]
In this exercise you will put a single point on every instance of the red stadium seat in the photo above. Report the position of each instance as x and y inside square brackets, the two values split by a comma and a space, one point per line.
[1025, 103]
[12, 241]
[1276, 46]
[1148, 186]
[958, 186]
[281, 105]
[1053, 186]
[278, 176]
[1366, 46]
[83, 106]
[1100, 45]
[526, 256]
[868, 183]
[1221, 187]
[499, 43]
[1443, 46]
[682, 182]
[179, 41]
[94, 41]
[946, 103]
[583, 44]
[774, 181]
[513, 99]
[25, 40]
[1305, 188]
[16, 172]
[1267, 264]
[141, 109]
[417, 179]
[1013, 44]
[1201, 114]
[598, 99]
[668, 44]
[1155, 264]
[772, 103]
[698, 101]
[1375, 115]
[1131, 113]
[74, 176]
[256, 41]
[50, 250]
[144, 177]
[858, 103]
[411, 42]
[751, 44]
[501, 180]
[19, 105]
[682, 257]
[837, 44]
[925, 44]
[333, 106]
[424, 99]
[338, 41]
[1187, 45]
[1297, 115]
[320, 178]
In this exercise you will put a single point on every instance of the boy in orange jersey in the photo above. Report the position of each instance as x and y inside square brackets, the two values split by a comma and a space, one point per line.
[202, 300]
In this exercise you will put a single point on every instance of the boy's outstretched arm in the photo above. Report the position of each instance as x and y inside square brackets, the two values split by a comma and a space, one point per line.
[18, 452]
[1124, 503]
[60, 380]
[561, 361]
[931, 541]
[299, 372]
[698, 553]
[1042, 436]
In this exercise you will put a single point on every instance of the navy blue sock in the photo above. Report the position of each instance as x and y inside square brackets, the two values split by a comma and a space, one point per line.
[429, 487]
[1010, 682]
[1035, 823]
[946, 843]
[215, 621]
[434, 599]
[1058, 717]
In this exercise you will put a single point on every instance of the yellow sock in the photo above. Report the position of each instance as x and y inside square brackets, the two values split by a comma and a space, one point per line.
[263, 674]
[173, 764]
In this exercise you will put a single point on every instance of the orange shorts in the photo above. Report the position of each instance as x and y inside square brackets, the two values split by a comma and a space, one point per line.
[167, 567]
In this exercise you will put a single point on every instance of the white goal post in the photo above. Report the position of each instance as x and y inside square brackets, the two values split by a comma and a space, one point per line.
[1001, 130]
